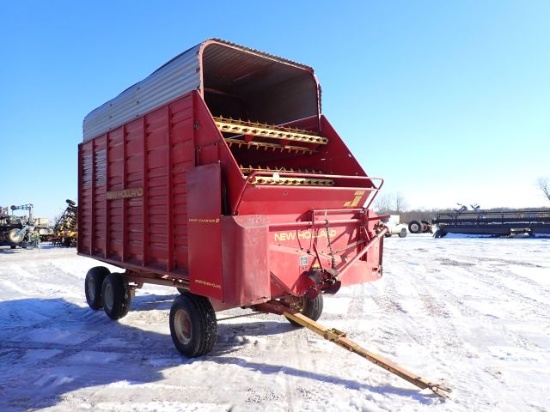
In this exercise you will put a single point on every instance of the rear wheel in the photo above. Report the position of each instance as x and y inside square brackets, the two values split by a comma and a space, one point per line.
[93, 285]
[193, 325]
[312, 308]
[116, 296]
[426, 227]
[415, 226]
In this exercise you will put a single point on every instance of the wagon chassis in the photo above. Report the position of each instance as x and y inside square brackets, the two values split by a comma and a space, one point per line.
[291, 307]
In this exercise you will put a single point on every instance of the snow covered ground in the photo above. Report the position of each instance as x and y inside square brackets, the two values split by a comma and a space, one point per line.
[473, 313]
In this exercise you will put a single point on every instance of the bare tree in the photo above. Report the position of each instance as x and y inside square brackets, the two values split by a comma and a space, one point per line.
[390, 203]
[382, 203]
[543, 184]
[400, 203]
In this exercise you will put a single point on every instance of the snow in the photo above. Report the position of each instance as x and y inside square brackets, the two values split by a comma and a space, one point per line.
[472, 313]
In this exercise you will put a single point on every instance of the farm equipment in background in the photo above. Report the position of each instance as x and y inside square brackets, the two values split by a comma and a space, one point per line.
[269, 214]
[65, 231]
[395, 227]
[21, 230]
[426, 226]
[420, 226]
[13, 229]
[492, 222]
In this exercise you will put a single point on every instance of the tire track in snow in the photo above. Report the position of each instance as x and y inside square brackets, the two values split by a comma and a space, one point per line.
[57, 325]
[540, 308]
[466, 296]
[439, 333]
[426, 314]
[434, 328]
[473, 280]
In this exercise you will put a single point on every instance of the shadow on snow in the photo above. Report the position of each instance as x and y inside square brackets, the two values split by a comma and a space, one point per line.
[50, 347]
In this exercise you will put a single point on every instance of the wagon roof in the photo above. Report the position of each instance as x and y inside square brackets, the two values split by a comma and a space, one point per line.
[214, 64]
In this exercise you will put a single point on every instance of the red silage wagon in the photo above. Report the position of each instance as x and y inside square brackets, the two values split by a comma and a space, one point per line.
[268, 212]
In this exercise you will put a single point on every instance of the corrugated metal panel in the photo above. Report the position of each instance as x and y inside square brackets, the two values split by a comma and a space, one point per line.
[219, 66]
[177, 77]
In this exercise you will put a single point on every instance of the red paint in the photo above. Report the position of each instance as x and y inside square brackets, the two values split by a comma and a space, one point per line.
[163, 197]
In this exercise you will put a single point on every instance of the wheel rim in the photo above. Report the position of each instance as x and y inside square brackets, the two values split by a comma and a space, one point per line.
[301, 304]
[297, 303]
[182, 326]
[108, 297]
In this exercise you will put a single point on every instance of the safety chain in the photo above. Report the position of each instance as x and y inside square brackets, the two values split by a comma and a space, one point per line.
[333, 259]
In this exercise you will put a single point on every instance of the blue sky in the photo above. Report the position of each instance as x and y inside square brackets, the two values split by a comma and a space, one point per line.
[448, 101]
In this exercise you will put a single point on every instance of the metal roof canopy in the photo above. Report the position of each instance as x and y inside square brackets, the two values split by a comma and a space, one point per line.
[235, 81]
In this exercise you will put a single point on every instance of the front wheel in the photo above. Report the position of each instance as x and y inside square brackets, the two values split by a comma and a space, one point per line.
[193, 325]
[312, 308]
[14, 236]
[93, 285]
[116, 296]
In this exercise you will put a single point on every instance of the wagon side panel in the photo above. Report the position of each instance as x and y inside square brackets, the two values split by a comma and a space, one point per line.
[134, 191]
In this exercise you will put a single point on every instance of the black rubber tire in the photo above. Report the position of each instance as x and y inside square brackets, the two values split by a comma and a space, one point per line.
[440, 233]
[115, 296]
[93, 285]
[312, 308]
[426, 227]
[403, 233]
[12, 237]
[415, 226]
[193, 325]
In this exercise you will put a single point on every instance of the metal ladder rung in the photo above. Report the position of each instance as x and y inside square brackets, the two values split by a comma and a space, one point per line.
[271, 146]
[291, 181]
[250, 169]
[239, 127]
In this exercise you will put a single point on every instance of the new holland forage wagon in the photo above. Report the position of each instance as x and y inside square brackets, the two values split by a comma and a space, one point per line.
[219, 175]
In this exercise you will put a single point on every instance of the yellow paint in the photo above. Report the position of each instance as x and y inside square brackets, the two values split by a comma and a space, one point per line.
[355, 202]
[207, 283]
[204, 220]
[303, 234]
[125, 193]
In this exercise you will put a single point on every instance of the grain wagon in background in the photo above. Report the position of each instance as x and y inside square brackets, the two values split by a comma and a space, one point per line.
[219, 175]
